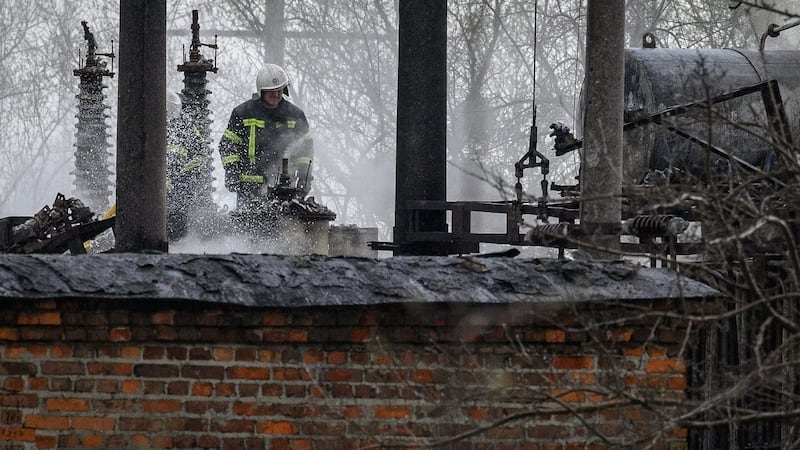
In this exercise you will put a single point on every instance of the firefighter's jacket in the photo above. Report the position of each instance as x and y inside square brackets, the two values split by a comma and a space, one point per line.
[256, 140]
[185, 160]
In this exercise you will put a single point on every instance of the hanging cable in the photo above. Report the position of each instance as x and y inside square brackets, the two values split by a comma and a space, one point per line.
[575, 98]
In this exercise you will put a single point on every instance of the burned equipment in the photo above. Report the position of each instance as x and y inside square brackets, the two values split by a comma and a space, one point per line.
[63, 227]
[92, 157]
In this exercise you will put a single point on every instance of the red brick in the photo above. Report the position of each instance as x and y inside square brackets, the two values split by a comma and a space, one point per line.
[93, 423]
[161, 406]
[62, 368]
[360, 334]
[119, 334]
[337, 358]
[569, 396]
[275, 336]
[289, 374]
[351, 412]
[619, 335]
[108, 386]
[92, 440]
[17, 434]
[478, 413]
[131, 386]
[46, 304]
[39, 318]
[123, 369]
[163, 318]
[268, 356]
[13, 352]
[139, 439]
[245, 354]
[67, 404]
[47, 422]
[131, 352]
[338, 375]
[274, 320]
[555, 336]
[583, 379]
[233, 426]
[313, 357]
[14, 384]
[248, 373]
[225, 389]
[677, 383]
[279, 444]
[422, 376]
[60, 351]
[382, 359]
[298, 336]
[202, 389]
[38, 383]
[392, 412]
[11, 417]
[635, 351]
[8, 334]
[301, 444]
[273, 427]
[222, 354]
[253, 409]
[666, 366]
[316, 392]
[165, 333]
[37, 350]
[46, 442]
[163, 442]
[572, 362]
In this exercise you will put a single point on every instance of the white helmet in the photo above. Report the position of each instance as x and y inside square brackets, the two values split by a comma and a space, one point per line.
[271, 77]
[173, 104]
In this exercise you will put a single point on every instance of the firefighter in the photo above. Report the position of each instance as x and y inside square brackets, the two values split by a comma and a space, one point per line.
[183, 168]
[261, 132]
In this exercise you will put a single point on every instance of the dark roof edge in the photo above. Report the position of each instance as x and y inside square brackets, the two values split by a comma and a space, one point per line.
[300, 281]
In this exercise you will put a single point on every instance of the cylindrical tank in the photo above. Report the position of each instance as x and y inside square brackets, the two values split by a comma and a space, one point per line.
[656, 79]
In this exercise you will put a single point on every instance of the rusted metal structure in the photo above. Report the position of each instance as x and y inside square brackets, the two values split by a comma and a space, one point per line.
[92, 157]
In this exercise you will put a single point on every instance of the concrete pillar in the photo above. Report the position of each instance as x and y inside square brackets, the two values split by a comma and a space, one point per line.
[421, 120]
[141, 127]
[601, 167]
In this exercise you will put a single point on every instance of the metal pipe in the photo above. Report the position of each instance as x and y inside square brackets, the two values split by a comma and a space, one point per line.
[773, 30]
[601, 168]
[141, 129]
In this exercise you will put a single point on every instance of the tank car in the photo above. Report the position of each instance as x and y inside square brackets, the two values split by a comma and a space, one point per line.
[661, 79]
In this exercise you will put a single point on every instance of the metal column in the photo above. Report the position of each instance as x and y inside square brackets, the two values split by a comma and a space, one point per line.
[421, 121]
[141, 127]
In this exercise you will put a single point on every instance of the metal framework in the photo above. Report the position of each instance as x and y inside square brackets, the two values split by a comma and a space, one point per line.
[654, 232]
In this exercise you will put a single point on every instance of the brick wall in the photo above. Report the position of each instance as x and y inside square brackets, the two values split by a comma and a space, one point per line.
[111, 374]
